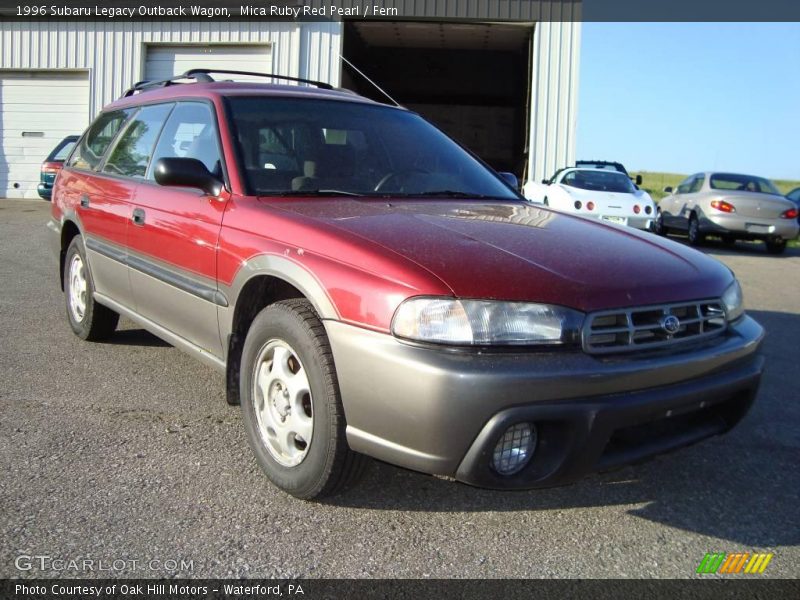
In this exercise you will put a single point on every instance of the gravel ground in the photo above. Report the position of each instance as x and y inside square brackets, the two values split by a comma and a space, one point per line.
[126, 451]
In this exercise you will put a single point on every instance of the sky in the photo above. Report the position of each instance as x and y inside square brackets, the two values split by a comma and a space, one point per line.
[688, 97]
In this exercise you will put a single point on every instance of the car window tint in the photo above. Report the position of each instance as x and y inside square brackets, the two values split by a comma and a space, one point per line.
[94, 144]
[742, 183]
[794, 195]
[697, 183]
[63, 151]
[131, 154]
[303, 145]
[683, 187]
[190, 132]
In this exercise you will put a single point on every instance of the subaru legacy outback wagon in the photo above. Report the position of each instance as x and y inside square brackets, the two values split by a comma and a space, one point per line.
[369, 287]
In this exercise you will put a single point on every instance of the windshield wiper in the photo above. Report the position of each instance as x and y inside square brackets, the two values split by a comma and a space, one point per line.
[453, 194]
[313, 193]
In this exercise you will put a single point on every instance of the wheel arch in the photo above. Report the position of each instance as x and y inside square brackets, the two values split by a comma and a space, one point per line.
[260, 283]
[69, 230]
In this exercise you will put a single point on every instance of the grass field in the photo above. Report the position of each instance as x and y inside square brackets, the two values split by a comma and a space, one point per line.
[654, 182]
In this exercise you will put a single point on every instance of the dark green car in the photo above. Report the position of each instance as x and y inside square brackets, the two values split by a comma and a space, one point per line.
[52, 165]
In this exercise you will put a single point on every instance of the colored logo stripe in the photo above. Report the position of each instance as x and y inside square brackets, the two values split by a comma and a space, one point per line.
[739, 562]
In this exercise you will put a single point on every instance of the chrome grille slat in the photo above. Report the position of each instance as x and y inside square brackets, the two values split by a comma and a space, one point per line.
[639, 328]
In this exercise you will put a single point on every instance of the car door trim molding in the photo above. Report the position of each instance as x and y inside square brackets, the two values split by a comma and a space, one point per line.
[150, 268]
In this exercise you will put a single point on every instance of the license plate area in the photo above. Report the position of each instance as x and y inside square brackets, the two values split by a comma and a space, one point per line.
[617, 220]
[759, 228]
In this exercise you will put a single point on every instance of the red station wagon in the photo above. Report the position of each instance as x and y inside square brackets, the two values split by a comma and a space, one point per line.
[369, 287]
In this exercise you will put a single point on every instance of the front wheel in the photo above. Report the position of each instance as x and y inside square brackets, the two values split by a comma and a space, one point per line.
[776, 246]
[291, 404]
[88, 319]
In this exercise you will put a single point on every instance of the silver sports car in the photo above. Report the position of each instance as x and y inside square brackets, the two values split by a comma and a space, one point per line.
[731, 206]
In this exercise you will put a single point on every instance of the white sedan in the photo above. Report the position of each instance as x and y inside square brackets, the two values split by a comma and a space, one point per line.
[595, 193]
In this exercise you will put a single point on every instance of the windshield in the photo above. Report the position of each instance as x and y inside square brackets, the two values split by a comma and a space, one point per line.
[599, 181]
[742, 183]
[321, 147]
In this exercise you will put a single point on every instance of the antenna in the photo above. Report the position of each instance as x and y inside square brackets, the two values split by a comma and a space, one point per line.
[377, 87]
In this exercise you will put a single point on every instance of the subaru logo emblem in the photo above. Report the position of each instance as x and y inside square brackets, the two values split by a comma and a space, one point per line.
[671, 324]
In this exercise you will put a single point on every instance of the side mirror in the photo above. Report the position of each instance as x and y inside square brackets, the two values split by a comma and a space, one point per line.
[545, 181]
[668, 189]
[187, 172]
[638, 180]
[510, 179]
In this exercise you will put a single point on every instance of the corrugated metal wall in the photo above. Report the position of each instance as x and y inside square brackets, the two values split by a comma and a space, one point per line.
[554, 97]
[114, 52]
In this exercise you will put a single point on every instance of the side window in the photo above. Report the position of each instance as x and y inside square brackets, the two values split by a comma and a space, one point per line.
[131, 155]
[94, 144]
[190, 132]
[697, 183]
[685, 185]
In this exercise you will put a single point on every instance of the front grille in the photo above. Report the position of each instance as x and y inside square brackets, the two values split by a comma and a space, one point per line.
[631, 329]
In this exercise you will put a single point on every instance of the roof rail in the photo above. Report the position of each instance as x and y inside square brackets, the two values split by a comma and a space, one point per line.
[203, 76]
[195, 72]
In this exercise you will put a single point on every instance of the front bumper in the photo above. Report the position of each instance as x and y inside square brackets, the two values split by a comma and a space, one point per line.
[441, 411]
[749, 228]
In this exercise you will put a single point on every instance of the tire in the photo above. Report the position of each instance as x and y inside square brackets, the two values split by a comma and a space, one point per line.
[658, 225]
[286, 353]
[776, 246]
[89, 320]
[696, 237]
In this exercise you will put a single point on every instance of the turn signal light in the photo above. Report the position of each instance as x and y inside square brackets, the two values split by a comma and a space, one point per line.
[637, 209]
[590, 205]
[789, 214]
[723, 206]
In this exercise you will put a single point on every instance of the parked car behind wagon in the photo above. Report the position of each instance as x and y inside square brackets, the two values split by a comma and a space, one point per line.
[731, 206]
[53, 164]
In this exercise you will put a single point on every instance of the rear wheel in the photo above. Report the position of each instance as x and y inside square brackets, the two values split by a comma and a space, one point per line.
[776, 246]
[88, 319]
[696, 237]
[291, 404]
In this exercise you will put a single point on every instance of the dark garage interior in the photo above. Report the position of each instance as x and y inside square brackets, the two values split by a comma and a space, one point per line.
[471, 80]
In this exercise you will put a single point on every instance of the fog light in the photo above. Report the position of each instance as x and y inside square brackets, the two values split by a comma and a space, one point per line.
[514, 449]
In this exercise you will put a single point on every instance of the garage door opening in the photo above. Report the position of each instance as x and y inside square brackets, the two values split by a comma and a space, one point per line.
[471, 80]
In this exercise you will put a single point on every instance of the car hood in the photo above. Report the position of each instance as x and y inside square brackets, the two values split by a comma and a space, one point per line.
[516, 251]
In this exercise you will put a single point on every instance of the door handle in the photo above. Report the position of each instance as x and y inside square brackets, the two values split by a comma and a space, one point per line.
[84, 201]
[138, 216]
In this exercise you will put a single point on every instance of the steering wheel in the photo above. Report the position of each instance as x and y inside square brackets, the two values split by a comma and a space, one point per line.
[398, 174]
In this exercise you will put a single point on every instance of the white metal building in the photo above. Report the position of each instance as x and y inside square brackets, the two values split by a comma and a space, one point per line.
[517, 111]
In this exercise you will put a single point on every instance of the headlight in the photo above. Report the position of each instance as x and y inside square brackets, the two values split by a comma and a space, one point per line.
[733, 301]
[485, 322]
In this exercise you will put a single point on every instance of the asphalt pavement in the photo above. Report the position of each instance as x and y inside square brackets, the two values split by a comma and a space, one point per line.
[124, 454]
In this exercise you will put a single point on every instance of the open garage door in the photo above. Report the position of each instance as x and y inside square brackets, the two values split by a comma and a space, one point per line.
[164, 62]
[37, 110]
[470, 79]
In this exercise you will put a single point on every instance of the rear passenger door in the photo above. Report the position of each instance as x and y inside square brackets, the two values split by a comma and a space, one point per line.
[173, 242]
[101, 205]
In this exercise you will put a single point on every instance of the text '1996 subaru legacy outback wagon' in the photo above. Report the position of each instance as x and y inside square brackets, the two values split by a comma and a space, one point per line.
[369, 287]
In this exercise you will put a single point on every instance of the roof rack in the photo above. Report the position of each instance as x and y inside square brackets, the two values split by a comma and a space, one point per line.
[204, 76]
